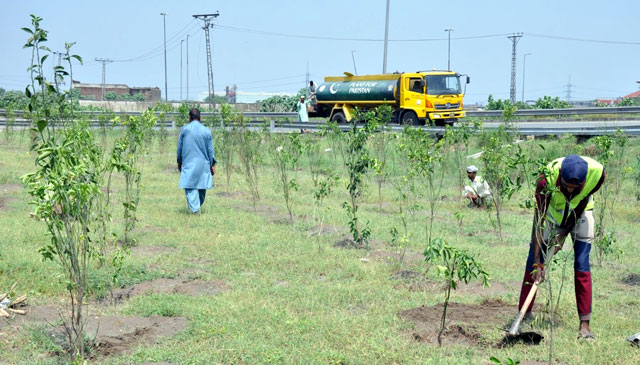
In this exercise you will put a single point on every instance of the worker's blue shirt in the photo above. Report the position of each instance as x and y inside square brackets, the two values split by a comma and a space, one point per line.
[196, 155]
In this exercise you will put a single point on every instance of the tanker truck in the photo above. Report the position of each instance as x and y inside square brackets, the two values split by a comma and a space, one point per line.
[417, 98]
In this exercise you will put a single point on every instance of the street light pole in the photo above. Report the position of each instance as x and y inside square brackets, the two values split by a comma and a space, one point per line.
[386, 40]
[164, 22]
[449, 30]
[355, 70]
[187, 67]
[524, 67]
[182, 40]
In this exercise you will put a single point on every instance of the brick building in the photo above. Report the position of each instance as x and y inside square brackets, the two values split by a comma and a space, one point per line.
[95, 90]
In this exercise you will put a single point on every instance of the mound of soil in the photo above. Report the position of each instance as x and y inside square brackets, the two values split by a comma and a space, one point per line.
[348, 242]
[632, 279]
[462, 320]
[171, 286]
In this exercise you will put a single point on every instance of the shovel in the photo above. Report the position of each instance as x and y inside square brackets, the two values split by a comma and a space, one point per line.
[514, 335]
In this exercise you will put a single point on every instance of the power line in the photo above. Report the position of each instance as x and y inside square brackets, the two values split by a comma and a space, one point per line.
[302, 36]
[582, 39]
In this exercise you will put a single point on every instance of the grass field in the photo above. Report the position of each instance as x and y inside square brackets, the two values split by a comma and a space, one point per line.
[274, 291]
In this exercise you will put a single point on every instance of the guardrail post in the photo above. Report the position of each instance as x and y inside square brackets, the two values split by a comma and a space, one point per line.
[272, 126]
[173, 125]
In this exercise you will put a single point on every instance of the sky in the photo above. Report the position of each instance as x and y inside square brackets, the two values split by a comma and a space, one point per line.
[269, 46]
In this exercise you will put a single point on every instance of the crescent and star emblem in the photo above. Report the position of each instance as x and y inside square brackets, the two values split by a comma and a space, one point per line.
[332, 90]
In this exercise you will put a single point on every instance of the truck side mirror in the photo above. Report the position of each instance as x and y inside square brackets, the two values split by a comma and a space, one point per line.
[468, 79]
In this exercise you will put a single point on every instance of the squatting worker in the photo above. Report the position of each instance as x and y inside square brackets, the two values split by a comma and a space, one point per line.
[196, 160]
[565, 206]
[476, 189]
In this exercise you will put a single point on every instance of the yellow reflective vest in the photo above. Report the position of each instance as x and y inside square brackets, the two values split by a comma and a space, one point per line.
[559, 206]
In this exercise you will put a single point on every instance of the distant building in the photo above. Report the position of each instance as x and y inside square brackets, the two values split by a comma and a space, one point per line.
[95, 90]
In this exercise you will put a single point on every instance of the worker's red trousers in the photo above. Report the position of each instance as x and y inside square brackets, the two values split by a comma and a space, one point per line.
[582, 279]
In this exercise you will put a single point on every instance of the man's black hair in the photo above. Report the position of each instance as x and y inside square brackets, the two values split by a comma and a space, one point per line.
[194, 114]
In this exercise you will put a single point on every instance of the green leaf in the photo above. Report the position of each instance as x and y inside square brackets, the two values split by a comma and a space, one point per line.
[77, 58]
[27, 30]
[42, 124]
[43, 58]
[27, 92]
[495, 360]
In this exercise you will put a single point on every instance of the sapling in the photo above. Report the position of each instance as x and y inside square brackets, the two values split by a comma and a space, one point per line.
[286, 152]
[65, 186]
[425, 158]
[249, 153]
[227, 139]
[322, 190]
[380, 142]
[457, 266]
[459, 138]
[358, 162]
[499, 159]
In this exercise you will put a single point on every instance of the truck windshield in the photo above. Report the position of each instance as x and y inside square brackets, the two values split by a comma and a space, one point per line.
[443, 85]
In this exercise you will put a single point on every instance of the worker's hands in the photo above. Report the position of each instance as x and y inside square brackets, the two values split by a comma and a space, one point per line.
[538, 273]
[180, 167]
[213, 170]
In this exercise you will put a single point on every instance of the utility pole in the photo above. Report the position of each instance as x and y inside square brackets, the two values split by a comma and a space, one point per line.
[569, 86]
[355, 70]
[104, 62]
[182, 40]
[386, 40]
[524, 69]
[449, 30]
[207, 24]
[164, 22]
[306, 85]
[187, 67]
[514, 40]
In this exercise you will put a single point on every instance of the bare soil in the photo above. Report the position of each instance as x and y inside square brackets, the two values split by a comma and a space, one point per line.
[171, 286]
[462, 321]
[632, 279]
[117, 335]
[10, 188]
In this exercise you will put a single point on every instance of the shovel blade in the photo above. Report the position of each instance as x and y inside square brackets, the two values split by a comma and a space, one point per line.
[527, 338]
[635, 339]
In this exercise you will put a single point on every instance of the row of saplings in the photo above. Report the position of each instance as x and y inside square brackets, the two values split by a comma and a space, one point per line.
[72, 171]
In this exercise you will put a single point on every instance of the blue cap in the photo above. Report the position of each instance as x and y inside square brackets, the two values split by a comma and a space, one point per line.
[574, 169]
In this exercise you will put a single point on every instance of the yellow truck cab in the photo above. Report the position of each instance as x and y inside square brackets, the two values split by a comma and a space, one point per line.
[418, 97]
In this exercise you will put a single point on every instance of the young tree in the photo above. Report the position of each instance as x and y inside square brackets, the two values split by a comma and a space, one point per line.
[66, 184]
[286, 152]
[457, 266]
[425, 162]
[250, 156]
[358, 162]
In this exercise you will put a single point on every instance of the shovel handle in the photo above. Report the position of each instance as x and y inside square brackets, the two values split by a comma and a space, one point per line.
[515, 327]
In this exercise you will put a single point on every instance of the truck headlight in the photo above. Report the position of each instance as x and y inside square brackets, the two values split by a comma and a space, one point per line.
[436, 115]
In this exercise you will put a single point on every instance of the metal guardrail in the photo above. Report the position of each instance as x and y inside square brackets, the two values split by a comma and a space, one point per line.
[287, 123]
[555, 112]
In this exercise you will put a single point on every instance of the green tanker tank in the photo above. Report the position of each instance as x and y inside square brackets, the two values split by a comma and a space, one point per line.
[369, 91]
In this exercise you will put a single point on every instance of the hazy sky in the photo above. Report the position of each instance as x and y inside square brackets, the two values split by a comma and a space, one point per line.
[264, 45]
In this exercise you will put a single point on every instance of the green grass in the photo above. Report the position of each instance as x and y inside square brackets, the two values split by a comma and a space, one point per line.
[294, 298]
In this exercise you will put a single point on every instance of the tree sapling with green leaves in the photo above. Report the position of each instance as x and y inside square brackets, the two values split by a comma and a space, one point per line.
[457, 266]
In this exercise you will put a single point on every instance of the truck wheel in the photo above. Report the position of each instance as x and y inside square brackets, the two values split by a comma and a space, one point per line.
[409, 118]
[339, 118]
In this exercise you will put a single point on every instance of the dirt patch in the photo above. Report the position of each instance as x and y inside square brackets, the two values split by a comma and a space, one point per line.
[632, 279]
[171, 286]
[462, 320]
[473, 288]
[35, 314]
[409, 257]
[192, 273]
[10, 188]
[152, 250]
[117, 335]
